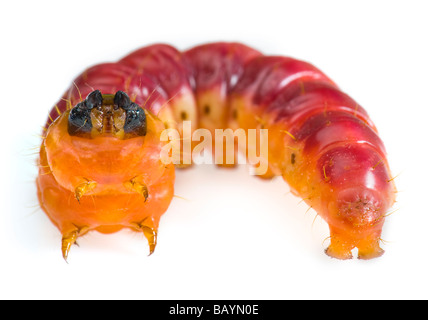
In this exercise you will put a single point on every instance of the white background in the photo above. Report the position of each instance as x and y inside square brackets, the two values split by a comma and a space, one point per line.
[234, 237]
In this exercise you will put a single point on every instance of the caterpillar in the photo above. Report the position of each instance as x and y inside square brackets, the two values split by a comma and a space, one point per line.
[100, 163]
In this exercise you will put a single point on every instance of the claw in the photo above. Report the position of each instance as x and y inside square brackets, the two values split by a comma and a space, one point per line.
[151, 235]
[138, 187]
[83, 188]
[67, 241]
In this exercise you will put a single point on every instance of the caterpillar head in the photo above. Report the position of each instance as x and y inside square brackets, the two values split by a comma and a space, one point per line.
[107, 114]
[104, 143]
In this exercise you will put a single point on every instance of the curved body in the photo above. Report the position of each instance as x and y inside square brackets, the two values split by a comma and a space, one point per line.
[319, 140]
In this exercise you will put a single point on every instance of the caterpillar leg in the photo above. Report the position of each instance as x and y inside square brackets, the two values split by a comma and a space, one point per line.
[67, 241]
[149, 228]
[69, 238]
[342, 243]
[369, 249]
[340, 247]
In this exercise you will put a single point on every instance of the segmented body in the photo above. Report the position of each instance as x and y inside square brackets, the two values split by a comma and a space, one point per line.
[320, 140]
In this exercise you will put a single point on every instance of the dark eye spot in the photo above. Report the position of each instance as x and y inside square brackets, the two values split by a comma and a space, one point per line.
[183, 115]
[207, 109]
[293, 158]
[234, 114]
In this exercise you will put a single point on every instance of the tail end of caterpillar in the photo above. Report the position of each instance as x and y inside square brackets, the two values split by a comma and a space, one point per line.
[356, 218]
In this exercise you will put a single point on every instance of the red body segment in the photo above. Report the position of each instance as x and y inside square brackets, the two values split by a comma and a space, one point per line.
[320, 140]
[163, 64]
